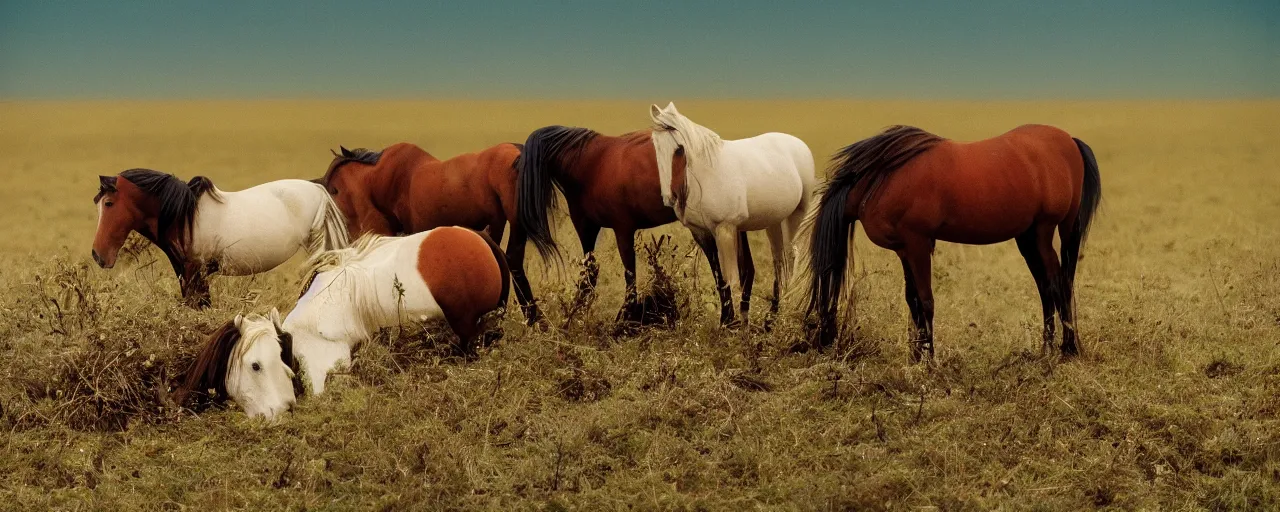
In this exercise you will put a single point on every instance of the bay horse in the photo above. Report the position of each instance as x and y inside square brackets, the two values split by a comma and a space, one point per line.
[203, 230]
[403, 190]
[726, 188]
[607, 182]
[911, 188]
[265, 364]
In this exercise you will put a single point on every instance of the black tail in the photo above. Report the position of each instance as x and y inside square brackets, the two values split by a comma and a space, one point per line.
[828, 254]
[503, 268]
[200, 185]
[1091, 195]
[547, 152]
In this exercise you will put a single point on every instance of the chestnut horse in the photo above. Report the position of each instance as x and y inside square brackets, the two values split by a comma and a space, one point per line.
[403, 190]
[911, 188]
[607, 182]
[203, 230]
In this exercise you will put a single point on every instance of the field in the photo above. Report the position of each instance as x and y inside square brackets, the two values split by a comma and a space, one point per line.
[1173, 406]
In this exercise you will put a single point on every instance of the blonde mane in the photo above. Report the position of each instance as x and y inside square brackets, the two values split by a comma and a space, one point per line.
[253, 326]
[701, 145]
[345, 262]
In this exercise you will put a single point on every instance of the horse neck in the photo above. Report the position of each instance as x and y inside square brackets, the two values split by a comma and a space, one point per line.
[332, 331]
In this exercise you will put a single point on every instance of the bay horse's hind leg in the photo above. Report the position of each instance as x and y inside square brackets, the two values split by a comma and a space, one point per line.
[919, 252]
[747, 275]
[912, 294]
[1070, 239]
[1052, 269]
[1028, 245]
[587, 234]
[515, 260]
[707, 241]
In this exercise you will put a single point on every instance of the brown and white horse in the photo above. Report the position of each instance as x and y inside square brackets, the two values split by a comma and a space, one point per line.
[449, 273]
[203, 230]
[403, 190]
[911, 188]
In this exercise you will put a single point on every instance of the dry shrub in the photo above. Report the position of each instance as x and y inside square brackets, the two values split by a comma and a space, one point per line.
[109, 371]
[661, 302]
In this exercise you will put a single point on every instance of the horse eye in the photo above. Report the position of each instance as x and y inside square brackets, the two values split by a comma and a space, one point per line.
[109, 204]
[679, 150]
[257, 367]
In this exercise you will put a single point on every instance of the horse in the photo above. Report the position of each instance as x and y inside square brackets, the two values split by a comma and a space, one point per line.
[911, 188]
[203, 230]
[607, 182]
[264, 364]
[726, 188]
[403, 189]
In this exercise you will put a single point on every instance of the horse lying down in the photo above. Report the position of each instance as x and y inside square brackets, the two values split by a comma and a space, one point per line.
[265, 364]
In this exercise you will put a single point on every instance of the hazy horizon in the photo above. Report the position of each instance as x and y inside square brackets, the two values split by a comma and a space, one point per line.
[999, 50]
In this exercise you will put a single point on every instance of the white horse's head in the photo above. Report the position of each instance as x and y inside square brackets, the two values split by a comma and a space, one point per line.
[682, 147]
[250, 360]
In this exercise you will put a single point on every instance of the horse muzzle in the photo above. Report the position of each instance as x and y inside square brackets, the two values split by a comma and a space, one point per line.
[100, 261]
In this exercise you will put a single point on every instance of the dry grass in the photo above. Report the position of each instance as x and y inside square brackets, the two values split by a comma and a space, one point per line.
[1174, 405]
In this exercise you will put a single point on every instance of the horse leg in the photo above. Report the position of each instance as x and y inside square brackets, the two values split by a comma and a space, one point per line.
[707, 241]
[515, 260]
[726, 245]
[587, 234]
[626, 239]
[1052, 268]
[747, 277]
[1070, 240]
[194, 284]
[919, 253]
[781, 264]
[1029, 246]
[912, 294]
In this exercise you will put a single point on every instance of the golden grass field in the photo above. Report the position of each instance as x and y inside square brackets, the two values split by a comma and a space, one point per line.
[1173, 406]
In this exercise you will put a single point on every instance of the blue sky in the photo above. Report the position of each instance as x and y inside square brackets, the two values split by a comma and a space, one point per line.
[607, 49]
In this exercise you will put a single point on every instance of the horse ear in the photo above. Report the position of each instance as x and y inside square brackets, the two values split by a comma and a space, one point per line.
[108, 183]
[671, 107]
[654, 111]
[238, 321]
[345, 152]
[274, 315]
[334, 153]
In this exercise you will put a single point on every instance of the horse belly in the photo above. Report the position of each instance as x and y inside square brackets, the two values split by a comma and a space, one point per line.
[249, 238]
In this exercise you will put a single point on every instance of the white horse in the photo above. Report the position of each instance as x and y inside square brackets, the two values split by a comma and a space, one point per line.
[203, 230]
[450, 272]
[722, 189]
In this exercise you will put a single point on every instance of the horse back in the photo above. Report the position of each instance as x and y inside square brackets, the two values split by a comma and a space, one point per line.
[616, 183]
[462, 272]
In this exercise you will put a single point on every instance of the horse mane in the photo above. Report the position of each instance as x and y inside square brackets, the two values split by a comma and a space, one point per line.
[701, 144]
[339, 258]
[358, 155]
[873, 159]
[548, 152]
[178, 200]
[209, 370]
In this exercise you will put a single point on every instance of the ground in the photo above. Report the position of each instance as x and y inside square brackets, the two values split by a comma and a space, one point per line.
[1172, 406]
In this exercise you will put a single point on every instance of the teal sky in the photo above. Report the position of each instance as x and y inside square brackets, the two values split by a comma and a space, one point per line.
[605, 49]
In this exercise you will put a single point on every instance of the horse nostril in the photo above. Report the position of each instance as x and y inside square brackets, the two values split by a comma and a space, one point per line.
[96, 259]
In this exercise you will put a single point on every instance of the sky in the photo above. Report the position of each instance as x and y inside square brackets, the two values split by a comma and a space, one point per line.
[569, 49]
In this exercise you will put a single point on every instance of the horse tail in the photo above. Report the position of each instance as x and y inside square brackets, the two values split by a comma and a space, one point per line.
[546, 154]
[201, 185]
[329, 229]
[1090, 194]
[503, 268]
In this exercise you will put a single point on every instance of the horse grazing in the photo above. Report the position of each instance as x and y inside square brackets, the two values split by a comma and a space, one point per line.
[203, 230]
[452, 273]
[607, 182]
[403, 189]
[722, 189]
[911, 188]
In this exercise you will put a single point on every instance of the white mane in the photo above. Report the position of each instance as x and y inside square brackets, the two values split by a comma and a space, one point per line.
[671, 129]
[340, 270]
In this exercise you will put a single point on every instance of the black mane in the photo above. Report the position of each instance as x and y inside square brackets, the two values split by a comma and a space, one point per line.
[358, 155]
[178, 201]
